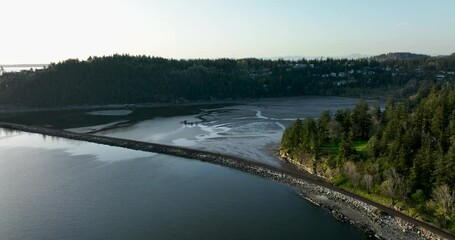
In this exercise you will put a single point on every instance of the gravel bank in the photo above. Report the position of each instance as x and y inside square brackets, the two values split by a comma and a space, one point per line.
[375, 220]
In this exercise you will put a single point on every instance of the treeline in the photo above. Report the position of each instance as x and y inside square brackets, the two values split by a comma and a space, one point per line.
[121, 79]
[405, 152]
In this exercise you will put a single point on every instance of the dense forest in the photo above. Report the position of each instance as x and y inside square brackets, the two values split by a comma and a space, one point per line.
[123, 79]
[403, 155]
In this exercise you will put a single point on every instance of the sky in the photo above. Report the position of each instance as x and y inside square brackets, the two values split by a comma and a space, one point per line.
[54, 30]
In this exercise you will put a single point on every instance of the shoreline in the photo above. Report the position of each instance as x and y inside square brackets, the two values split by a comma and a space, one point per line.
[16, 109]
[345, 206]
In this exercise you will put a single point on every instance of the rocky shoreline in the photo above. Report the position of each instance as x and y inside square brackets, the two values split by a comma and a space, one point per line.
[372, 221]
[375, 220]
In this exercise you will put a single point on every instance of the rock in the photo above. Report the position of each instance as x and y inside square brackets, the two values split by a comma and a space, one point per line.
[374, 222]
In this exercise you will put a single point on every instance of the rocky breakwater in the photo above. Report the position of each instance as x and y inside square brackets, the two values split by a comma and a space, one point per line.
[372, 218]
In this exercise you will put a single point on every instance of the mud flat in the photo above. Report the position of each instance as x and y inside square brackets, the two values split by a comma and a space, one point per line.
[375, 220]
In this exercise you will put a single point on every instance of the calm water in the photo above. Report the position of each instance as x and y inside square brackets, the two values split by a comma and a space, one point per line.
[249, 130]
[54, 188]
[22, 68]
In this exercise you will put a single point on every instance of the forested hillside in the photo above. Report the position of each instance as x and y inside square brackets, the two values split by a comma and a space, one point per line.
[122, 79]
[403, 155]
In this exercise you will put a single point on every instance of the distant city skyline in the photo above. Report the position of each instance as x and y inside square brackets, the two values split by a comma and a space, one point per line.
[51, 31]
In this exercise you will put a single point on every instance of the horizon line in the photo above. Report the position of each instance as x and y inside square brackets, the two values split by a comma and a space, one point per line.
[287, 58]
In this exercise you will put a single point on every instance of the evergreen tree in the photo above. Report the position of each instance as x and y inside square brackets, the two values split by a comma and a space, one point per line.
[361, 121]
[292, 136]
[309, 136]
[323, 127]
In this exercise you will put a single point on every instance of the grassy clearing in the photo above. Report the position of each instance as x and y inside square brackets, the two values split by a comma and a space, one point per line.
[360, 146]
[332, 148]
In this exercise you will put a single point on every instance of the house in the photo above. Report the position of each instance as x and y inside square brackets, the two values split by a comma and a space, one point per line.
[300, 65]
[440, 76]
[339, 83]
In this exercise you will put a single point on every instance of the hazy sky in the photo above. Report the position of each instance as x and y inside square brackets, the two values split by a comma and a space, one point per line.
[49, 31]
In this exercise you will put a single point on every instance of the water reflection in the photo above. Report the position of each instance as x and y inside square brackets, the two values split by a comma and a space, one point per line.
[16, 139]
[53, 188]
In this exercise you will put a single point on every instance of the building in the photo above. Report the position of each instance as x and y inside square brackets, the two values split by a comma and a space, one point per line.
[300, 65]
[440, 76]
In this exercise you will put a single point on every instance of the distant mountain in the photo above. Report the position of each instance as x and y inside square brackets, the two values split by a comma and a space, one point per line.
[400, 56]
[356, 56]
